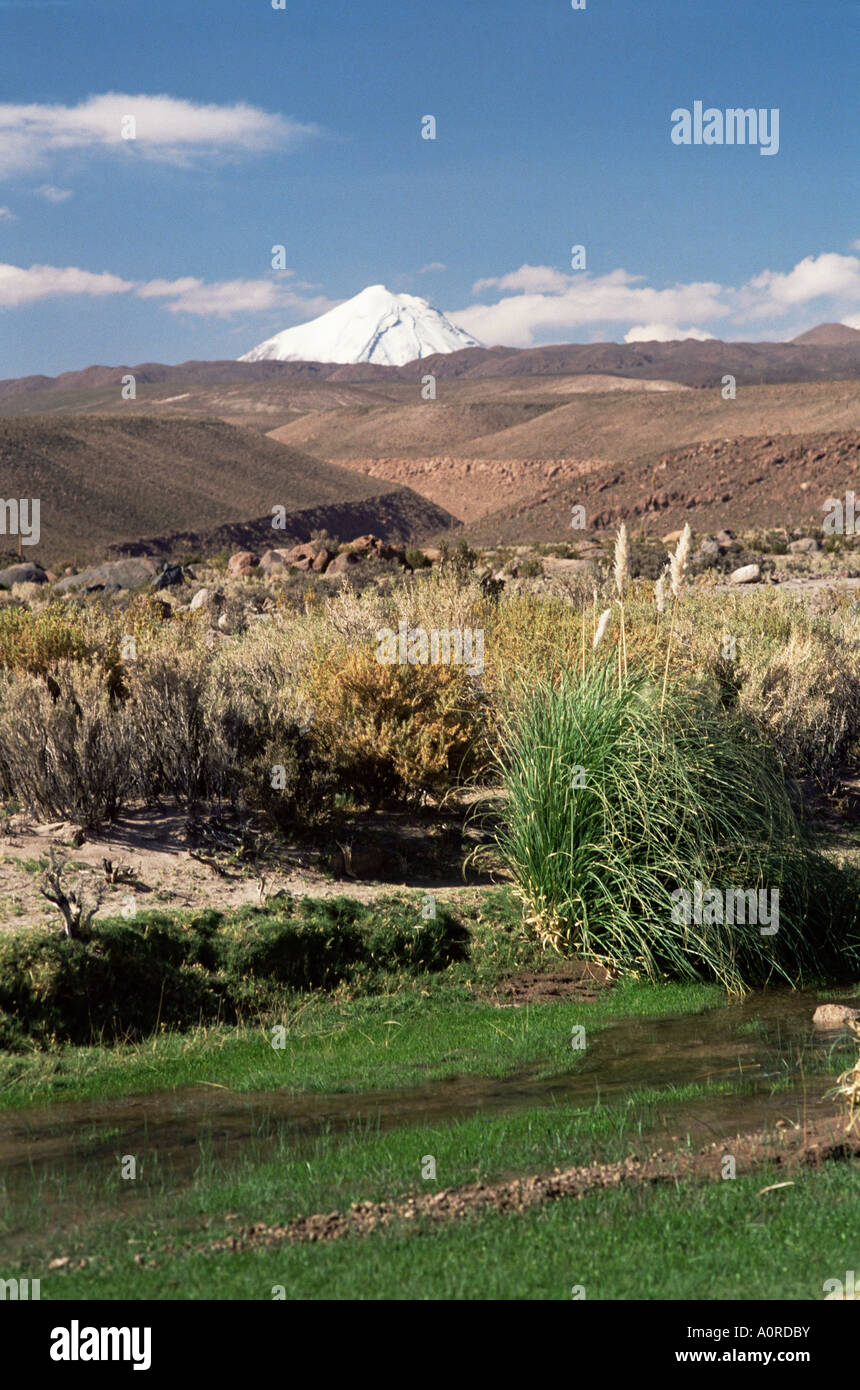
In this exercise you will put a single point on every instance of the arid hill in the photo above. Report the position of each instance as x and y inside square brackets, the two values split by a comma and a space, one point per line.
[743, 483]
[526, 422]
[104, 480]
[817, 355]
[829, 335]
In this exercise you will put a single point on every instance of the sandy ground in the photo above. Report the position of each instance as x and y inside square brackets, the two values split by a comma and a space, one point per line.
[154, 846]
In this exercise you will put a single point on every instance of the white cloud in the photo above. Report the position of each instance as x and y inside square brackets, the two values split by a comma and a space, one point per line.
[826, 276]
[542, 304]
[581, 300]
[664, 333]
[223, 298]
[8, 214]
[19, 286]
[187, 295]
[432, 265]
[52, 194]
[617, 303]
[534, 279]
[166, 128]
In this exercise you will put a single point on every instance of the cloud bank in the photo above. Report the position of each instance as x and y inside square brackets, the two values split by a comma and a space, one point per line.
[165, 128]
[532, 305]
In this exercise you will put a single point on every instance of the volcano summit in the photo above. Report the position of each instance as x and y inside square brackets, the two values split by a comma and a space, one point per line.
[375, 326]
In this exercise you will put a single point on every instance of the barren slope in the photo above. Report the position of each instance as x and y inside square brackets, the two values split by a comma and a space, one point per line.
[102, 480]
[742, 483]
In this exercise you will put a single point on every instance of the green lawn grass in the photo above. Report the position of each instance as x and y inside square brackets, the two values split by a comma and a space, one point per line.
[695, 1241]
[435, 1029]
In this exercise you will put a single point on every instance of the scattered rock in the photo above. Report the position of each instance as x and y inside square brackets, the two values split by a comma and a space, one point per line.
[553, 565]
[26, 573]
[63, 833]
[709, 549]
[322, 560]
[834, 1015]
[342, 562]
[170, 575]
[272, 562]
[241, 563]
[747, 574]
[113, 574]
[671, 537]
[207, 599]
[725, 539]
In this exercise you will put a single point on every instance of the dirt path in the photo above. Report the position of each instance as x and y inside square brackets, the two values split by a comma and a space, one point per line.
[788, 1148]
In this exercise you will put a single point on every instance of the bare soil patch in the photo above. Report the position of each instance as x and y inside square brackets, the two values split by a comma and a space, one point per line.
[582, 981]
[210, 860]
[789, 1148]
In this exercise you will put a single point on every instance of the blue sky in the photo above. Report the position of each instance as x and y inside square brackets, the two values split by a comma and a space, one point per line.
[302, 127]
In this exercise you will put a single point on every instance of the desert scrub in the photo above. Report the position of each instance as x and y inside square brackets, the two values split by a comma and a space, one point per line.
[36, 642]
[65, 748]
[610, 807]
[395, 730]
[793, 672]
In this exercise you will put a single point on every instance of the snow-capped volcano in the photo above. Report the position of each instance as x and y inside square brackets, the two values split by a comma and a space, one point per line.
[375, 326]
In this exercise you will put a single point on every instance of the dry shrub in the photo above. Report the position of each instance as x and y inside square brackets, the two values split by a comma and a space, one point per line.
[807, 698]
[65, 754]
[394, 730]
[533, 636]
[36, 641]
[176, 748]
[848, 1089]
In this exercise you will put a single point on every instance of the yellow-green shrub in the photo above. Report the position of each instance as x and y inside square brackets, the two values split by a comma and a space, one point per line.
[394, 729]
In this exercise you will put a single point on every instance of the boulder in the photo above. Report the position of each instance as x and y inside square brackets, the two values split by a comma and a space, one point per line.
[300, 558]
[747, 574]
[273, 562]
[112, 575]
[206, 598]
[725, 539]
[241, 563]
[342, 562]
[322, 560]
[834, 1015]
[25, 573]
[709, 549]
[671, 537]
[170, 576]
[804, 546]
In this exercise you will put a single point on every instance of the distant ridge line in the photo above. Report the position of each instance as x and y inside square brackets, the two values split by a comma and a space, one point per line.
[691, 363]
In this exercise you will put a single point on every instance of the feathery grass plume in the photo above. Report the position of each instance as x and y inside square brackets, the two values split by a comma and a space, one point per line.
[678, 561]
[660, 590]
[622, 559]
[622, 567]
[677, 568]
[600, 630]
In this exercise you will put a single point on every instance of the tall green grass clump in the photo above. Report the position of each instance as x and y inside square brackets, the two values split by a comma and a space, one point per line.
[611, 806]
